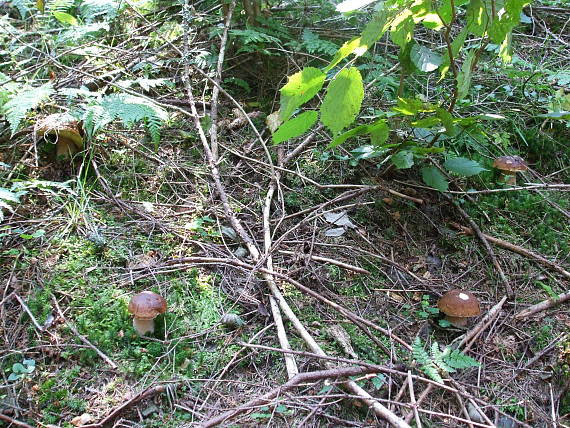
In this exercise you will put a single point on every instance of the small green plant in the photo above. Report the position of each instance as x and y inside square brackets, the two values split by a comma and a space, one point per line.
[21, 370]
[426, 309]
[437, 361]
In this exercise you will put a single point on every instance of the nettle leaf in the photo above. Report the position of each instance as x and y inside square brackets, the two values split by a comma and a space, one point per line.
[402, 30]
[376, 28]
[433, 178]
[463, 166]
[300, 88]
[65, 18]
[295, 127]
[464, 76]
[403, 159]
[343, 99]
[354, 45]
[425, 59]
[378, 131]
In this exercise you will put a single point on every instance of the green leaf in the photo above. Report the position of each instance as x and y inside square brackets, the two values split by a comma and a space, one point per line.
[22, 102]
[428, 122]
[447, 121]
[477, 18]
[433, 178]
[424, 58]
[402, 30]
[300, 88]
[65, 18]
[353, 45]
[463, 166]
[7, 195]
[403, 159]
[378, 134]
[375, 28]
[464, 76]
[295, 127]
[343, 99]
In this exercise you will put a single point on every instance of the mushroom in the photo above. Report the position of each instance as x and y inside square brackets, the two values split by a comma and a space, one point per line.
[509, 165]
[64, 130]
[145, 307]
[458, 306]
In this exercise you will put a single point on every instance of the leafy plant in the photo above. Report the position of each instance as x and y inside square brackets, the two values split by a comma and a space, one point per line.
[24, 100]
[21, 370]
[424, 129]
[437, 361]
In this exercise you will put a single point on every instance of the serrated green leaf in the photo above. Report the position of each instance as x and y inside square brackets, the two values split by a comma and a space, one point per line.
[424, 58]
[342, 100]
[463, 166]
[402, 30]
[65, 18]
[432, 371]
[299, 89]
[428, 122]
[464, 76]
[378, 131]
[403, 159]
[354, 45]
[295, 127]
[433, 178]
[447, 121]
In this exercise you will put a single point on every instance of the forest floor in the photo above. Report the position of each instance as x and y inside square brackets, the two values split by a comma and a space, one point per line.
[353, 255]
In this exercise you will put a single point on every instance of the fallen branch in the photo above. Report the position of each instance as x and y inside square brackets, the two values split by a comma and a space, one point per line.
[301, 378]
[516, 249]
[14, 422]
[485, 241]
[542, 306]
[107, 420]
[331, 261]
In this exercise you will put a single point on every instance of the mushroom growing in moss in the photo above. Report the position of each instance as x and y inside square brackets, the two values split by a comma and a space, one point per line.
[458, 306]
[509, 166]
[145, 307]
[64, 131]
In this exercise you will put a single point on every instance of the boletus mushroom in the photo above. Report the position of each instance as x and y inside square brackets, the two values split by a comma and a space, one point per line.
[64, 131]
[145, 307]
[509, 166]
[458, 306]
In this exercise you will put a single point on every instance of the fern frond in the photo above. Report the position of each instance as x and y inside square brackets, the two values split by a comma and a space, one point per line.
[23, 7]
[60, 5]
[253, 36]
[458, 360]
[419, 353]
[107, 10]
[25, 100]
[314, 44]
[128, 109]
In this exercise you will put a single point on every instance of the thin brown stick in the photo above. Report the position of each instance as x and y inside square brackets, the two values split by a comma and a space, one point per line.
[544, 305]
[331, 261]
[117, 411]
[516, 249]
[483, 238]
[298, 379]
[82, 338]
[14, 421]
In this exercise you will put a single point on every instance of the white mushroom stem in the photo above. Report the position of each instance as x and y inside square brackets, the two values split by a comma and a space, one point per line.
[457, 321]
[143, 325]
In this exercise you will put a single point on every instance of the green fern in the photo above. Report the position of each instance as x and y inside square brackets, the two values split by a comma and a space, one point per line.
[23, 7]
[128, 109]
[446, 361]
[107, 10]
[313, 44]
[254, 41]
[23, 101]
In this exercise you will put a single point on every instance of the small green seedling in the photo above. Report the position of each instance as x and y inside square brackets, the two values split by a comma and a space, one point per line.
[426, 310]
[20, 370]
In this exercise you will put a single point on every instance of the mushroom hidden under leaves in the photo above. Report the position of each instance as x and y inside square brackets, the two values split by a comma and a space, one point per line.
[509, 166]
[64, 130]
[458, 306]
[145, 307]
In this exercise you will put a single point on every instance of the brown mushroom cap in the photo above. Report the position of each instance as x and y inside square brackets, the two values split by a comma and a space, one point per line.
[61, 125]
[459, 303]
[147, 305]
[510, 164]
